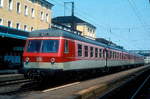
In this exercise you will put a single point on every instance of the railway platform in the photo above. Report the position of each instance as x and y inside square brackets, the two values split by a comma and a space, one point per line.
[10, 77]
[8, 71]
[90, 89]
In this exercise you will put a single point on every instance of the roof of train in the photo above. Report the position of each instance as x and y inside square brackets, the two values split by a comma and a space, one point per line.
[61, 33]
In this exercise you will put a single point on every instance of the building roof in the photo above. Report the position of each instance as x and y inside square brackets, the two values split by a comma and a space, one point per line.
[70, 19]
[13, 33]
[46, 2]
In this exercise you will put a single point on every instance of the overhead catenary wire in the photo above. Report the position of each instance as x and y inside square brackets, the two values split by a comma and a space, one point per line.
[138, 14]
[105, 27]
[109, 29]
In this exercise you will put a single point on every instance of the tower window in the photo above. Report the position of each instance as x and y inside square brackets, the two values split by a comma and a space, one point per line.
[26, 10]
[18, 7]
[42, 15]
[10, 4]
[9, 24]
[47, 17]
[32, 12]
[18, 26]
[32, 28]
[25, 27]
[1, 21]
[1, 3]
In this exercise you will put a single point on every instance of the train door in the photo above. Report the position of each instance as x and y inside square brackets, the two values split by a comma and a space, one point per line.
[69, 49]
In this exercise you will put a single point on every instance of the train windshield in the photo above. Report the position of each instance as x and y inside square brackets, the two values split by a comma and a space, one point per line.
[49, 46]
[45, 46]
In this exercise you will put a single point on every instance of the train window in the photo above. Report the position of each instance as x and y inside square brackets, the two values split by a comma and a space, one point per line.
[107, 53]
[79, 50]
[114, 55]
[96, 52]
[120, 55]
[45, 46]
[33, 46]
[100, 53]
[49, 46]
[86, 51]
[66, 50]
[103, 53]
[91, 51]
[110, 54]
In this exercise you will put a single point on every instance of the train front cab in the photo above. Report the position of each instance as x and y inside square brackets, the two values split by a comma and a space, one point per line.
[41, 56]
[46, 57]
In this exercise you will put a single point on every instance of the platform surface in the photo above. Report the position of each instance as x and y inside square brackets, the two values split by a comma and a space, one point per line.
[10, 77]
[77, 88]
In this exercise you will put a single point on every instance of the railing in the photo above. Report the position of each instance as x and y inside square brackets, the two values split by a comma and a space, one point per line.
[65, 28]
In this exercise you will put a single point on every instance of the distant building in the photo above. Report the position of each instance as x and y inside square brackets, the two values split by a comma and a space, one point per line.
[147, 59]
[87, 29]
[141, 52]
[102, 40]
[26, 15]
[109, 43]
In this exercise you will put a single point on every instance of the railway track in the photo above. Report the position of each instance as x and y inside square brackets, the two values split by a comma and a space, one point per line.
[133, 89]
[16, 86]
[143, 90]
[5, 83]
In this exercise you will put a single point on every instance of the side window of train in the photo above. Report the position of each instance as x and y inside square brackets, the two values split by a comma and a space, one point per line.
[96, 52]
[100, 53]
[86, 51]
[79, 50]
[103, 53]
[91, 51]
[66, 46]
[113, 55]
[110, 54]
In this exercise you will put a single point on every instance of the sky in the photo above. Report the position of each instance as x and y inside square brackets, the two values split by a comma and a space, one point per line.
[125, 22]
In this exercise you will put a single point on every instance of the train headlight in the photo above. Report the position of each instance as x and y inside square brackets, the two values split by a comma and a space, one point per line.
[52, 60]
[27, 59]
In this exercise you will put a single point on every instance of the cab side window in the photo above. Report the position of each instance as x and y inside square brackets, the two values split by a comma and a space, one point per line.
[79, 50]
[66, 46]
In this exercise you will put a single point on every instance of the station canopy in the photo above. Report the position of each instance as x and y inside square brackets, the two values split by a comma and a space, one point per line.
[13, 33]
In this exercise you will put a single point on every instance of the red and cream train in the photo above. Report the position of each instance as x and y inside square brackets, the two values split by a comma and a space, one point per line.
[52, 52]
